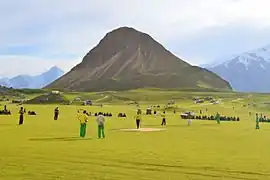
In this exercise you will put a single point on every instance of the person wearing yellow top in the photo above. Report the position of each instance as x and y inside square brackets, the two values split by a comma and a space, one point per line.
[83, 118]
[138, 119]
[163, 116]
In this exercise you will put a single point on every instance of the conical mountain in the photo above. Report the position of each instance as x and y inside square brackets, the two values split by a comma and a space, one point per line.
[126, 58]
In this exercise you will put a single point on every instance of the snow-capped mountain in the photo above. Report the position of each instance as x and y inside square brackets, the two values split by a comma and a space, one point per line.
[248, 72]
[33, 82]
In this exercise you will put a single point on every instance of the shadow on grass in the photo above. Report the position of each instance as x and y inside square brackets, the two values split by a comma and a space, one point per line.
[60, 139]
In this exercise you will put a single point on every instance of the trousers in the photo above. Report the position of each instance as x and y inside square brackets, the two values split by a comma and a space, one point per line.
[101, 131]
[138, 123]
[163, 122]
[83, 130]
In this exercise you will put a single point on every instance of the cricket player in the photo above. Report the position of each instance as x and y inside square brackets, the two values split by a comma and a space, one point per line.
[138, 119]
[83, 118]
[163, 116]
[189, 121]
[56, 113]
[21, 112]
[101, 123]
[218, 118]
[257, 121]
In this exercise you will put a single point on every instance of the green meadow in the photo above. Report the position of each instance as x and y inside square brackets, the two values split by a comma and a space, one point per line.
[44, 149]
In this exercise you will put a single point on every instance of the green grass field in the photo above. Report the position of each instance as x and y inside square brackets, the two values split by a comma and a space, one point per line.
[44, 149]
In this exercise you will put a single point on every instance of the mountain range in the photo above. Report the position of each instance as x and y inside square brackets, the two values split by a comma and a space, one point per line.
[246, 72]
[126, 59]
[32, 82]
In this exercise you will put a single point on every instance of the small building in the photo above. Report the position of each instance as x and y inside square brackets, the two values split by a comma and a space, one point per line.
[55, 92]
[78, 99]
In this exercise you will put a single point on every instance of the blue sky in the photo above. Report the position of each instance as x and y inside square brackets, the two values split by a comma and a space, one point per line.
[35, 35]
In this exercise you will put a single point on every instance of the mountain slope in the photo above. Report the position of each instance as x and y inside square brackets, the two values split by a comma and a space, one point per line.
[48, 77]
[33, 82]
[126, 59]
[247, 72]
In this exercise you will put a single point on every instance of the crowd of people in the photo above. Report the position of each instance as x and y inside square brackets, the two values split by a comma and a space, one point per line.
[122, 115]
[83, 115]
[104, 114]
[5, 111]
[222, 118]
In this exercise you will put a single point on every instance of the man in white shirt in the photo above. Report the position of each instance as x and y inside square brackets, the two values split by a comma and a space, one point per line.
[101, 123]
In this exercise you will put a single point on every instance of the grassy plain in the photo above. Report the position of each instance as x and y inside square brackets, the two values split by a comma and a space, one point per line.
[44, 149]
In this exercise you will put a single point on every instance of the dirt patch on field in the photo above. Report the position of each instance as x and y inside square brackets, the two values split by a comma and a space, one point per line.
[143, 130]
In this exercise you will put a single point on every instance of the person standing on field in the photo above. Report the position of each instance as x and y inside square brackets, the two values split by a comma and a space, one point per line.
[257, 121]
[138, 119]
[189, 121]
[101, 123]
[21, 112]
[163, 116]
[83, 118]
[56, 113]
[218, 118]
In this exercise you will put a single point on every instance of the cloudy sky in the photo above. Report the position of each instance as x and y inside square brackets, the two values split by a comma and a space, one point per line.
[37, 34]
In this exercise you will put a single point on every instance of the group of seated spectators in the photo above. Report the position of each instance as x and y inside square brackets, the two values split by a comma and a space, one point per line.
[5, 111]
[104, 114]
[122, 115]
[264, 119]
[222, 118]
[32, 113]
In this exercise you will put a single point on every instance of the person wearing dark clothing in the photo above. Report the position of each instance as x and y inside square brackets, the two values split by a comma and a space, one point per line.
[21, 112]
[56, 113]
[138, 119]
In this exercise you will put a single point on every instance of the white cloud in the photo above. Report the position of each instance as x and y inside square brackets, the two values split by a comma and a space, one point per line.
[65, 27]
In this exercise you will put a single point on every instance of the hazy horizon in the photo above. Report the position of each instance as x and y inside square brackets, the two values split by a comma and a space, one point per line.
[38, 35]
